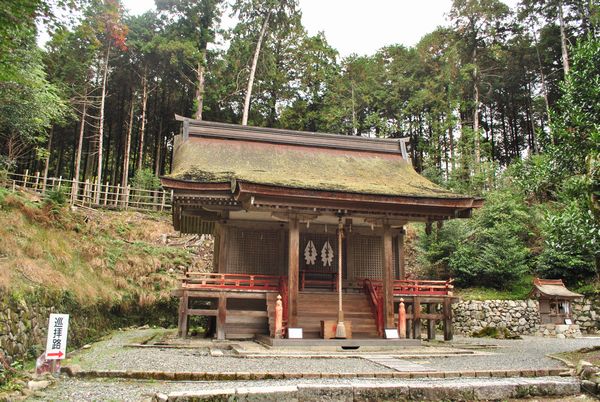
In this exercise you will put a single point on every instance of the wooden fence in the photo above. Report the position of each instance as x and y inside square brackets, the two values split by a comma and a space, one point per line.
[90, 194]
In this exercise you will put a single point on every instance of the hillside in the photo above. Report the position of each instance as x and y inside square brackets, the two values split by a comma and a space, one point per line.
[95, 255]
[107, 269]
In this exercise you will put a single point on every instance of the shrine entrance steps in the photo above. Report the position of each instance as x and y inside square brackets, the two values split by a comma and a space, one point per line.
[317, 306]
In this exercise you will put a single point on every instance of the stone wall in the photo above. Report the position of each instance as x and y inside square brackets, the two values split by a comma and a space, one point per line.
[24, 320]
[586, 314]
[520, 317]
[21, 327]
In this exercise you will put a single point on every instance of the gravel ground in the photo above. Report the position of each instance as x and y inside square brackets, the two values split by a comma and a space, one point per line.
[111, 355]
[527, 353]
[130, 390]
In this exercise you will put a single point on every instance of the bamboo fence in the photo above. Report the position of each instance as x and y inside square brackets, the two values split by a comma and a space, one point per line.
[89, 194]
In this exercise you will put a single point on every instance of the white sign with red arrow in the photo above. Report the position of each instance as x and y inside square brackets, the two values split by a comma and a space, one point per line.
[56, 345]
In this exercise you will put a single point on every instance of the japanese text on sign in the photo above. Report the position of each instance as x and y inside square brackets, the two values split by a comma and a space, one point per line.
[56, 345]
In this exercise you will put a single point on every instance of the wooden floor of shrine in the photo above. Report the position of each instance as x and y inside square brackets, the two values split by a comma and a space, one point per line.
[250, 315]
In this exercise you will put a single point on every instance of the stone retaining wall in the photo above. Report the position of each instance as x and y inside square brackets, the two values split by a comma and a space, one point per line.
[21, 327]
[24, 320]
[520, 317]
[586, 314]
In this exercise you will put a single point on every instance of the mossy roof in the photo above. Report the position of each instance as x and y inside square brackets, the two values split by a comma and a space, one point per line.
[204, 160]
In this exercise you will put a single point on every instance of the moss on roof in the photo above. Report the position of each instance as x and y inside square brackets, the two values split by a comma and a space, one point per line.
[210, 161]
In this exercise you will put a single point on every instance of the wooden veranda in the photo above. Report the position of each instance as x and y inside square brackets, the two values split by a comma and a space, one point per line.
[425, 301]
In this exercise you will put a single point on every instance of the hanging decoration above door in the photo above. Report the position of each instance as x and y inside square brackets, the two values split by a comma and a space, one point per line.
[327, 254]
[310, 253]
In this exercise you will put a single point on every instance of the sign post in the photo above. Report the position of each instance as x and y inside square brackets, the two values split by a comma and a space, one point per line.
[56, 345]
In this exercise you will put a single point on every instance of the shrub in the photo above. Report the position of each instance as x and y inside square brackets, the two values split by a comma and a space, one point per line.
[56, 197]
[146, 180]
[571, 244]
[491, 249]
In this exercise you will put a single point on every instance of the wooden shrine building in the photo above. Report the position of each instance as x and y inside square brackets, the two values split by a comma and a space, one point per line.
[290, 212]
[555, 300]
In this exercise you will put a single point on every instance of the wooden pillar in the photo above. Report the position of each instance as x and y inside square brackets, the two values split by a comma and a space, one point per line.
[447, 309]
[349, 260]
[388, 278]
[293, 269]
[428, 228]
[401, 254]
[417, 318]
[431, 322]
[221, 316]
[222, 251]
[183, 315]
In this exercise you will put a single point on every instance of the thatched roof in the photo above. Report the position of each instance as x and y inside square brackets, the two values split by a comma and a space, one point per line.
[218, 153]
[553, 288]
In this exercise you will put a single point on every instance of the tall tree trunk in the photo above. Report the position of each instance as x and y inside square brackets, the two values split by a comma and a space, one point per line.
[354, 127]
[492, 138]
[476, 111]
[199, 90]
[158, 148]
[60, 160]
[261, 36]
[542, 77]
[79, 148]
[529, 113]
[101, 123]
[125, 176]
[563, 39]
[47, 162]
[143, 123]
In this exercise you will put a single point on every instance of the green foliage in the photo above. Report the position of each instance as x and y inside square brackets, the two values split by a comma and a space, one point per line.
[145, 179]
[571, 228]
[29, 104]
[518, 291]
[495, 333]
[534, 177]
[9, 374]
[571, 244]
[56, 197]
[489, 250]
[493, 257]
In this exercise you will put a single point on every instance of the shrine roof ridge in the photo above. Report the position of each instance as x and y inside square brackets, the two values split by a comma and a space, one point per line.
[203, 128]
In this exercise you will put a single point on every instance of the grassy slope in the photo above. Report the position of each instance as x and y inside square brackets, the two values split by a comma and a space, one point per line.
[96, 255]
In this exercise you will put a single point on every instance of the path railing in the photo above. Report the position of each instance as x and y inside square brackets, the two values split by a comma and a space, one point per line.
[376, 304]
[88, 193]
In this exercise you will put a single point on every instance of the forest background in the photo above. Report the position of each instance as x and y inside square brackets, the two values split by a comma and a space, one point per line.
[501, 103]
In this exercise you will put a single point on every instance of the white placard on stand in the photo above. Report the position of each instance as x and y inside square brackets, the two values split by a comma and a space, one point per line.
[56, 345]
[391, 333]
[294, 333]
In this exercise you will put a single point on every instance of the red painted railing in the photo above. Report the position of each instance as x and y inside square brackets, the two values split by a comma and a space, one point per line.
[409, 287]
[423, 287]
[376, 302]
[201, 280]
